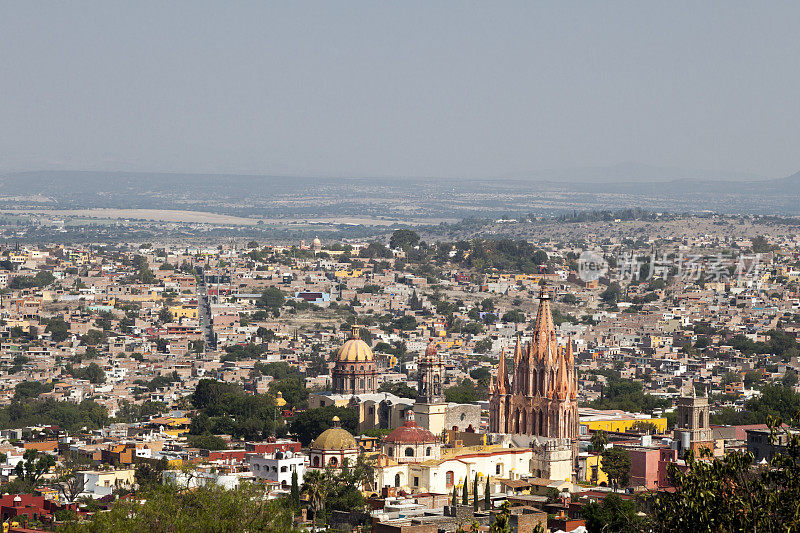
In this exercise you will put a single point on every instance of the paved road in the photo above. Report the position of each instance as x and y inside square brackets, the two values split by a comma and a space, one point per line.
[205, 317]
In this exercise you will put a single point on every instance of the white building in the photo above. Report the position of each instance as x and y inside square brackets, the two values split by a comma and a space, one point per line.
[453, 468]
[201, 478]
[278, 467]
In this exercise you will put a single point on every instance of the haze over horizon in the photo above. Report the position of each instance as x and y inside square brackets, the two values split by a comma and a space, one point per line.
[504, 90]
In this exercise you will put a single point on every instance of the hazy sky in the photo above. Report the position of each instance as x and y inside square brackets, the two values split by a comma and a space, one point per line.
[399, 89]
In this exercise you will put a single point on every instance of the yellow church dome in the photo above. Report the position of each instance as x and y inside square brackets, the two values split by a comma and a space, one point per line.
[355, 350]
[335, 438]
[279, 401]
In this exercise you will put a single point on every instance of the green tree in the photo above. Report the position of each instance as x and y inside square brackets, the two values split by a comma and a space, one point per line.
[403, 239]
[731, 377]
[67, 415]
[599, 441]
[612, 294]
[308, 425]
[58, 329]
[94, 337]
[464, 493]
[515, 315]
[33, 466]
[206, 441]
[205, 508]
[487, 496]
[295, 492]
[502, 521]
[475, 493]
[466, 392]
[483, 345]
[752, 377]
[612, 513]
[399, 388]
[729, 494]
[315, 488]
[616, 463]
[272, 299]
[645, 426]
[165, 316]
[149, 473]
[405, 323]
[789, 379]
[31, 389]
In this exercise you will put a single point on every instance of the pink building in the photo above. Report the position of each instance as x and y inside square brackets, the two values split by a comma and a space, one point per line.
[644, 466]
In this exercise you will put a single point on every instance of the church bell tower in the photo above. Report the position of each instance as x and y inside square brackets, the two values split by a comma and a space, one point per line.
[430, 408]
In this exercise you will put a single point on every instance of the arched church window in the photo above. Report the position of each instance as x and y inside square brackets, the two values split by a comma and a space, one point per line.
[409, 452]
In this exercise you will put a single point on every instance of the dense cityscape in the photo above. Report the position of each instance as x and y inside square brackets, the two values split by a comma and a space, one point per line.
[397, 385]
[409, 267]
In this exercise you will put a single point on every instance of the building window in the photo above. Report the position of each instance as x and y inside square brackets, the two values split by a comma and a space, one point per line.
[397, 480]
[416, 481]
[334, 461]
[448, 478]
[498, 469]
[428, 451]
[390, 452]
[409, 452]
[316, 462]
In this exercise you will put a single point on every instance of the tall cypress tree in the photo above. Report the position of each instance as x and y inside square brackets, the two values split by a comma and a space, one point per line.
[295, 494]
[464, 494]
[475, 493]
[487, 498]
[455, 497]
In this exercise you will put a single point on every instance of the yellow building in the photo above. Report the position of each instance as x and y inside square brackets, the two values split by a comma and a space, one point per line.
[613, 421]
[172, 426]
[590, 470]
[356, 273]
[183, 311]
[391, 359]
